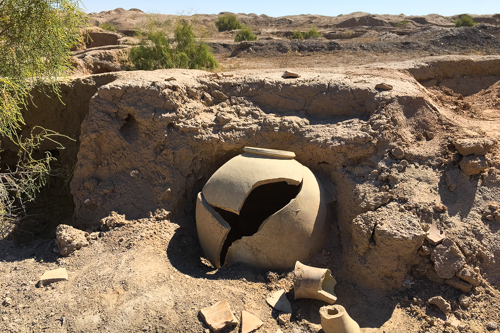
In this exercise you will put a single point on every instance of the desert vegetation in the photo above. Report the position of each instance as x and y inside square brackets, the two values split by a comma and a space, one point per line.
[465, 21]
[157, 51]
[245, 33]
[311, 33]
[36, 40]
[228, 22]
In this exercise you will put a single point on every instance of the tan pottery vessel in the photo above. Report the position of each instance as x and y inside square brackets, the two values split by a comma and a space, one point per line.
[334, 319]
[295, 232]
[313, 282]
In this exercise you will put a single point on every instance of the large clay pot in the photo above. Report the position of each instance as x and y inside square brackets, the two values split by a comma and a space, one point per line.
[246, 187]
[313, 282]
[334, 319]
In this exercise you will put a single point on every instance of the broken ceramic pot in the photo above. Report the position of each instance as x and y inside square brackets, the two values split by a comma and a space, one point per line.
[313, 282]
[334, 319]
[261, 208]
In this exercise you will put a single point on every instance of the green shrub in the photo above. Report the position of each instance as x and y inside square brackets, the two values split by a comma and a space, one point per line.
[107, 26]
[155, 50]
[228, 22]
[297, 35]
[402, 23]
[245, 34]
[465, 21]
[312, 33]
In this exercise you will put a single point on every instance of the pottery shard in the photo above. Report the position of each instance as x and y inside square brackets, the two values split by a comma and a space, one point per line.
[69, 239]
[279, 301]
[469, 275]
[473, 165]
[249, 322]
[441, 303]
[218, 316]
[447, 258]
[459, 284]
[290, 74]
[434, 236]
[383, 86]
[477, 146]
[54, 275]
[230, 185]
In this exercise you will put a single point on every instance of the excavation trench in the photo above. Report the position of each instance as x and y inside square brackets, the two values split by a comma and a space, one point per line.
[337, 123]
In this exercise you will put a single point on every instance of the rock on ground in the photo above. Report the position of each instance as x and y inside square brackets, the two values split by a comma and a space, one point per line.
[70, 239]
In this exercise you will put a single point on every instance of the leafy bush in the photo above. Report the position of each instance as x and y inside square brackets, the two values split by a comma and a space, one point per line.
[465, 21]
[245, 34]
[347, 33]
[107, 26]
[402, 23]
[312, 33]
[297, 35]
[228, 22]
[35, 39]
[155, 51]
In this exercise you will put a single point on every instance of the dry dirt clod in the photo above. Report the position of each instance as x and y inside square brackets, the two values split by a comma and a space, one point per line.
[218, 316]
[459, 284]
[398, 153]
[279, 301]
[447, 258]
[290, 75]
[54, 275]
[491, 326]
[469, 275]
[464, 301]
[475, 146]
[284, 318]
[7, 301]
[69, 239]
[424, 250]
[383, 86]
[441, 303]
[473, 165]
[249, 322]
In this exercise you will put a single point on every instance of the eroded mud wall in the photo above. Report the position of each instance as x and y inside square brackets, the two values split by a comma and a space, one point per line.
[63, 114]
[152, 139]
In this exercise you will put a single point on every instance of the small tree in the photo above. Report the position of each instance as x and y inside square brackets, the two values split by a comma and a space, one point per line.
[312, 33]
[155, 51]
[465, 21]
[297, 35]
[245, 34]
[228, 22]
[35, 41]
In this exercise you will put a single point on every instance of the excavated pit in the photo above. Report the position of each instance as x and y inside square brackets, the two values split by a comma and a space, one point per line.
[388, 159]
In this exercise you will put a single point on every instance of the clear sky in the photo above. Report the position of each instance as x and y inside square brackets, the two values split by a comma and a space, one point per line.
[286, 7]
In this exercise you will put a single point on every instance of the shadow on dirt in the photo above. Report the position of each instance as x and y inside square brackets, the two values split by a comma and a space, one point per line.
[185, 254]
[458, 191]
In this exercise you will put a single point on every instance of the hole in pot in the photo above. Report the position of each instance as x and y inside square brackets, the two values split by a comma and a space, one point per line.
[333, 312]
[261, 203]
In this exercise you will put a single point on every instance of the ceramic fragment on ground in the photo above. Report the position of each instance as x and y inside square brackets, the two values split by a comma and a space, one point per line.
[279, 301]
[249, 322]
[218, 316]
[54, 275]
